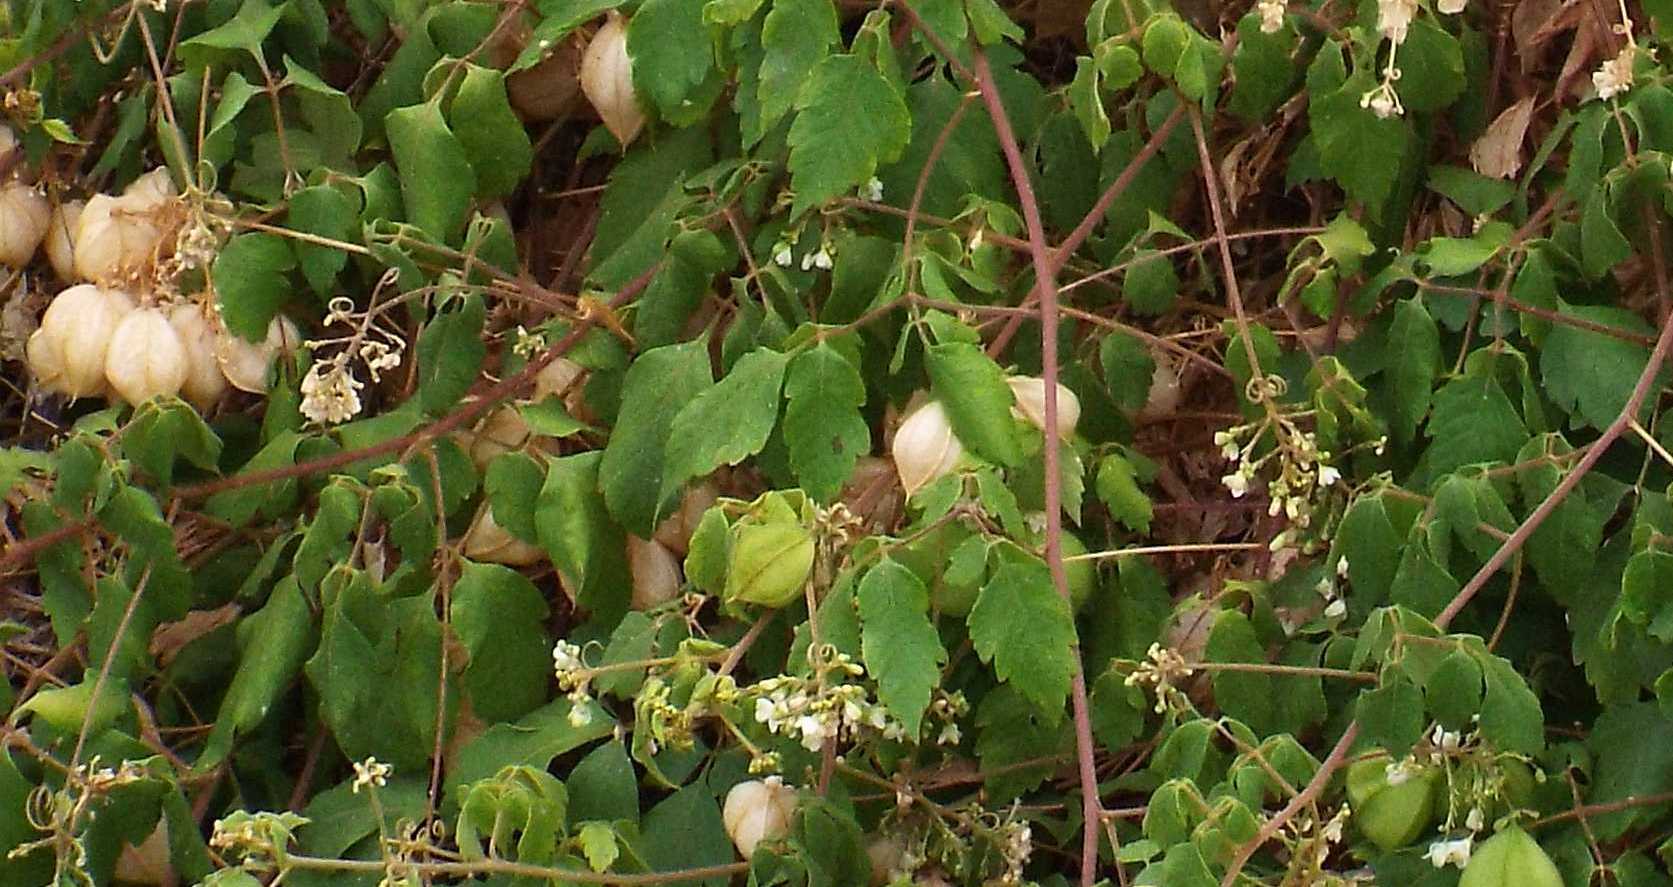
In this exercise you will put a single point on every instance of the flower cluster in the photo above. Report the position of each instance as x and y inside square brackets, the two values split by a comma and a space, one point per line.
[1394, 20]
[1165, 670]
[1446, 852]
[574, 678]
[1614, 76]
[1272, 15]
[258, 839]
[1016, 844]
[800, 710]
[330, 390]
[370, 773]
[1304, 472]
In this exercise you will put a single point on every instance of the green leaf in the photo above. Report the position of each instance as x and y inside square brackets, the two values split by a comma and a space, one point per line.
[585, 544]
[725, 424]
[1088, 104]
[978, 402]
[1511, 717]
[902, 650]
[251, 282]
[533, 741]
[1627, 766]
[1011, 730]
[849, 120]
[437, 181]
[1602, 246]
[1263, 73]
[450, 352]
[686, 831]
[324, 211]
[672, 53]
[492, 137]
[500, 617]
[1590, 374]
[1357, 148]
[823, 427]
[657, 387]
[796, 36]
[598, 843]
[1431, 67]
[273, 642]
[1473, 421]
[1128, 369]
[603, 786]
[1023, 627]
[1414, 351]
[244, 31]
[1118, 488]
[1391, 716]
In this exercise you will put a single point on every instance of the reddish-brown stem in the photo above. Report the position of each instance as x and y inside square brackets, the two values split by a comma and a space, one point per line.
[1046, 287]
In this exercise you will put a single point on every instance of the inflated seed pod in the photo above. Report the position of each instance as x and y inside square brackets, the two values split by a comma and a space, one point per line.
[146, 358]
[60, 243]
[1030, 392]
[151, 190]
[607, 80]
[499, 432]
[548, 89]
[675, 532]
[925, 447]
[24, 216]
[557, 377]
[204, 383]
[67, 353]
[245, 363]
[656, 574]
[488, 542]
[758, 810]
[117, 237]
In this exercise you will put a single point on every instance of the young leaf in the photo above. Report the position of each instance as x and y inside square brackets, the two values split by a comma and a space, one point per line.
[437, 180]
[978, 402]
[900, 645]
[1023, 627]
[849, 119]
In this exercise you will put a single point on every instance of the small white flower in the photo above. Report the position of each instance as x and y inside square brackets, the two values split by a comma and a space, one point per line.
[1474, 820]
[1444, 739]
[872, 190]
[1237, 482]
[370, 772]
[822, 260]
[1342, 567]
[1336, 609]
[764, 711]
[566, 656]
[783, 257]
[1382, 101]
[807, 262]
[580, 715]
[330, 393]
[1394, 17]
[1451, 7]
[1398, 772]
[1444, 853]
[1328, 475]
[813, 730]
[1272, 15]
[1615, 75]
[949, 735]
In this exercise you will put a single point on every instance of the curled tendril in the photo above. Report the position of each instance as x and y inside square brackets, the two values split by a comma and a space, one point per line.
[1263, 388]
[41, 808]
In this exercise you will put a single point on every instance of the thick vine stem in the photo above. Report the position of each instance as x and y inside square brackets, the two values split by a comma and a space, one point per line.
[1046, 288]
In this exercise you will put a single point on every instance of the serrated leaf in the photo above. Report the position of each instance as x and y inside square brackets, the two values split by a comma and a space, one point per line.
[1391, 716]
[437, 180]
[1088, 104]
[1590, 374]
[725, 424]
[1118, 488]
[849, 120]
[658, 385]
[823, 427]
[672, 53]
[795, 36]
[1128, 369]
[1360, 150]
[901, 648]
[1473, 421]
[586, 546]
[978, 402]
[1511, 717]
[1414, 351]
[492, 136]
[1023, 627]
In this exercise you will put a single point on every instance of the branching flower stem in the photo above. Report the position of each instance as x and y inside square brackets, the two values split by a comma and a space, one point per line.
[1046, 286]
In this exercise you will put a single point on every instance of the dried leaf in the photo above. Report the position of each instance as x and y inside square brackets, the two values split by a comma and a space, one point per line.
[1498, 153]
[172, 637]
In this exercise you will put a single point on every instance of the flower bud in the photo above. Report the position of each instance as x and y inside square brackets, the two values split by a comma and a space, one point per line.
[489, 543]
[60, 238]
[204, 383]
[675, 532]
[1030, 392]
[245, 363]
[548, 89]
[656, 575]
[607, 80]
[118, 237]
[67, 353]
[925, 447]
[24, 215]
[146, 358]
[758, 810]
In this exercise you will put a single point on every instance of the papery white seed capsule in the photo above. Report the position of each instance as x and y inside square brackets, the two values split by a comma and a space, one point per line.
[148, 861]
[556, 377]
[204, 383]
[925, 447]
[117, 237]
[500, 432]
[8, 141]
[548, 89]
[1030, 392]
[245, 363]
[146, 358]
[24, 215]
[656, 575]
[758, 810]
[151, 190]
[60, 243]
[67, 353]
[489, 543]
[607, 80]
[1163, 398]
[675, 531]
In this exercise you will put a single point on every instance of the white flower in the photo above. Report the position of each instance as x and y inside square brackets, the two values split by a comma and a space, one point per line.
[949, 735]
[822, 260]
[1328, 475]
[814, 732]
[1444, 853]
[1451, 7]
[1615, 75]
[1444, 739]
[1272, 15]
[1237, 482]
[783, 258]
[1336, 609]
[1394, 17]
[1342, 567]
[580, 715]
[1382, 101]
[872, 190]
[330, 393]
[764, 712]
[370, 773]
[1475, 820]
[1398, 772]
